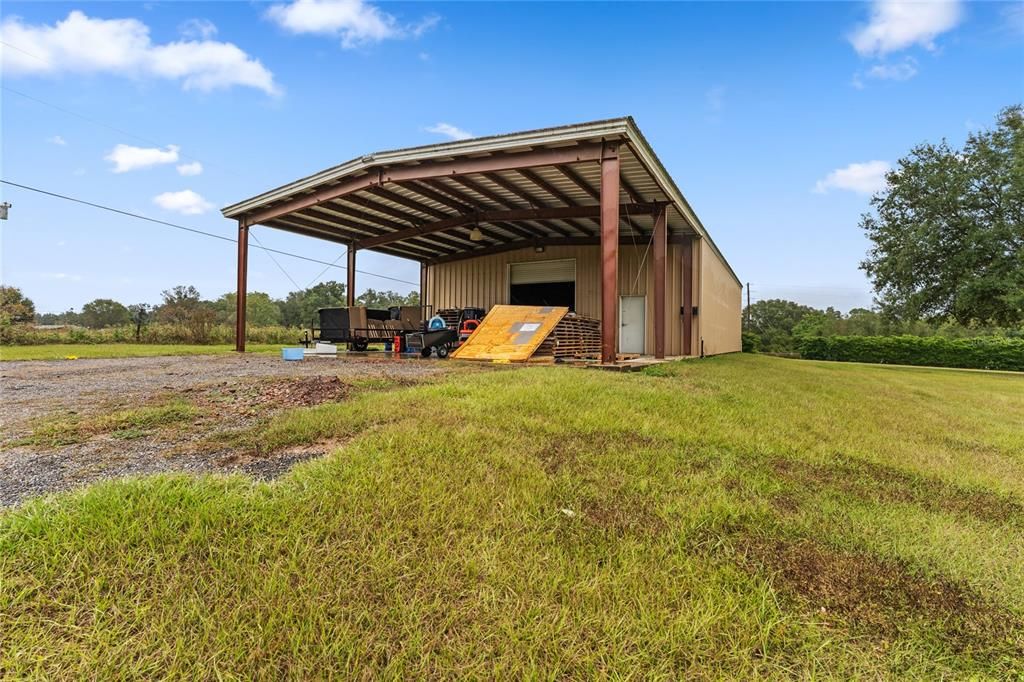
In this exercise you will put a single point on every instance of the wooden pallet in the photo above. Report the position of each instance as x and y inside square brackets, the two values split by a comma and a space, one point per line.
[574, 336]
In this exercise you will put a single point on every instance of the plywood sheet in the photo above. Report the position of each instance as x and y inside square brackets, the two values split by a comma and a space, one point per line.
[510, 333]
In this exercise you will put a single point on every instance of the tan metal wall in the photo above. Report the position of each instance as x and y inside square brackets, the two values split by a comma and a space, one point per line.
[484, 282]
[720, 299]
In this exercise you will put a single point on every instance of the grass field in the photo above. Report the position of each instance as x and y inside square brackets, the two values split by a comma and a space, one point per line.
[60, 351]
[739, 517]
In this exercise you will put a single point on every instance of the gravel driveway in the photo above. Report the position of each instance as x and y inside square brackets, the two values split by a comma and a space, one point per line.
[32, 390]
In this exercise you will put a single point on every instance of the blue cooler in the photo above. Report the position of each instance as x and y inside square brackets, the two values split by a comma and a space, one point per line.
[293, 353]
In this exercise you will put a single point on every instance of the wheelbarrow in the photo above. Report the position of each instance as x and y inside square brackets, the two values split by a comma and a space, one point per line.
[440, 341]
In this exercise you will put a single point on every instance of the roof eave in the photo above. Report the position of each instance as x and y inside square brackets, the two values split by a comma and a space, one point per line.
[617, 127]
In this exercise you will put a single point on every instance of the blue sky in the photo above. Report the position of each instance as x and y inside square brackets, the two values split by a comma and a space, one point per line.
[777, 120]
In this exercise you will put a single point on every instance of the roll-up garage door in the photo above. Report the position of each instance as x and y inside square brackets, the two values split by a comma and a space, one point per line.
[543, 271]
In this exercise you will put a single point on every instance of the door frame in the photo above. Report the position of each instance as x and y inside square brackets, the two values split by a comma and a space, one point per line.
[643, 324]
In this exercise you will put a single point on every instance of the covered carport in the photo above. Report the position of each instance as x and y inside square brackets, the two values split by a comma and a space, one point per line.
[594, 186]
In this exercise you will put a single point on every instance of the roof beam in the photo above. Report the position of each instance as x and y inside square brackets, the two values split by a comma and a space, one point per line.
[432, 193]
[335, 219]
[474, 186]
[555, 213]
[634, 196]
[391, 250]
[330, 233]
[381, 208]
[501, 201]
[468, 205]
[589, 151]
[580, 182]
[408, 202]
[332, 220]
[531, 243]
[557, 194]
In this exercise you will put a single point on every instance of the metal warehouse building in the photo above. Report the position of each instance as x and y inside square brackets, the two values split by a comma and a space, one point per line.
[583, 216]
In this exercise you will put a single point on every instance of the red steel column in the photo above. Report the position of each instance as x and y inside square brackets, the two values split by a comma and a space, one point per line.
[243, 271]
[350, 275]
[423, 284]
[688, 296]
[609, 252]
[660, 262]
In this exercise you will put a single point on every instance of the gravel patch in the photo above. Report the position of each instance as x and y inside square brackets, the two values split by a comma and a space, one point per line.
[242, 389]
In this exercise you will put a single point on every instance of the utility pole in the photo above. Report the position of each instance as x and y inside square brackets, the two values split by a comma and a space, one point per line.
[748, 305]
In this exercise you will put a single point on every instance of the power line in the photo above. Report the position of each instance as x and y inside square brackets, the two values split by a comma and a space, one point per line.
[176, 226]
[279, 267]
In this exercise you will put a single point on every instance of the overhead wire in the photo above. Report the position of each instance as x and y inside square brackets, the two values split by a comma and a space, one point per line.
[213, 235]
[147, 140]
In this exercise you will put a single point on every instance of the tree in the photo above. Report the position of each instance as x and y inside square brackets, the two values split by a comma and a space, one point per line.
[773, 320]
[948, 230]
[183, 305]
[104, 312]
[140, 313]
[179, 303]
[15, 307]
[385, 299]
[299, 307]
[260, 309]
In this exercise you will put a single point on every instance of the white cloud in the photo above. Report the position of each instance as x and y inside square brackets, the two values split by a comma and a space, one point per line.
[83, 45]
[902, 71]
[128, 158]
[862, 178]
[356, 22]
[194, 168]
[201, 29]
[897, 24]
[448, 130]
[57, 140]
[186, 201]
[70, 277]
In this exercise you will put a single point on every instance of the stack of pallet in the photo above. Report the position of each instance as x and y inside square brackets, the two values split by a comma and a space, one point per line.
[574, 336]
[451, 317]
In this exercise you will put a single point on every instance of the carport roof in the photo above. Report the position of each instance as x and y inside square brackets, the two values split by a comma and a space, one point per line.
[468, 198]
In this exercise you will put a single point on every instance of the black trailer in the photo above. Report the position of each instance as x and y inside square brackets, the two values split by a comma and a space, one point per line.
[360, 326]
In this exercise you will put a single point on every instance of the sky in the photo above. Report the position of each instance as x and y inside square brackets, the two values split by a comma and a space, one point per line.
[777, 121]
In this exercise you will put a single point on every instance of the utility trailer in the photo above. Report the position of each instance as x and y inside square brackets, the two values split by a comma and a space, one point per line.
[360, 326]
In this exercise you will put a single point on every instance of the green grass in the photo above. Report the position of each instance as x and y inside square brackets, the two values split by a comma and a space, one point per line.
[126, 424]
[60, 351]
[738, 517]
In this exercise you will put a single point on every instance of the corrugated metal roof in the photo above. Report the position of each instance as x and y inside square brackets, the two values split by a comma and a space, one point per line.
[376, 209]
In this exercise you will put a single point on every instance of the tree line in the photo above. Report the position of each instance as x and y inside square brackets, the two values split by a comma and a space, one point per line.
[184, 305]
[779, 326]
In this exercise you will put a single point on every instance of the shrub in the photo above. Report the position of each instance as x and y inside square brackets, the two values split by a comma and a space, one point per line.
[933, 351]
[751, 342]
[162, 333]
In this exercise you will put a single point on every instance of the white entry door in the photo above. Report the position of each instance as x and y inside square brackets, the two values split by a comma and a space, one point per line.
[632, 324]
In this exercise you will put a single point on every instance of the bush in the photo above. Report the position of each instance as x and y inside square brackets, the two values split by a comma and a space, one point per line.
[161, 333]
[751, 342]
[932, 351]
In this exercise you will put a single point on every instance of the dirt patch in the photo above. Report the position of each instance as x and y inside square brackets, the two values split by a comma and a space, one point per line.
[276, 394]
[564, 452]
[110, 418]
[885, 484]
[623, 515]
[884, 599]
